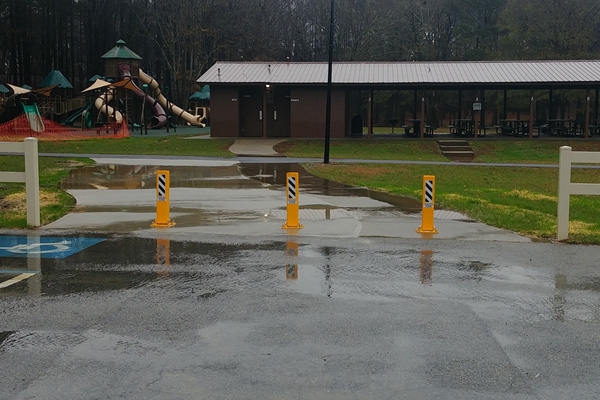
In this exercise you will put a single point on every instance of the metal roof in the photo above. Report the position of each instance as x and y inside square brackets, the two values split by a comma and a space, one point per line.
[503, 73]
[121, 51]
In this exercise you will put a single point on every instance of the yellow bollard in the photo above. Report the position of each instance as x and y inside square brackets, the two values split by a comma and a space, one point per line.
[293, 207]
[163, 182]
[428, 205]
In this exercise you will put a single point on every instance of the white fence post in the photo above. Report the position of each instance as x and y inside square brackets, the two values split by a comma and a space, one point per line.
[31, 176]
[564, 194]
[566, 188]
[32, 181]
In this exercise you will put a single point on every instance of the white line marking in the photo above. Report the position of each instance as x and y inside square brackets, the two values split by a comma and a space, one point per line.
[16, 279]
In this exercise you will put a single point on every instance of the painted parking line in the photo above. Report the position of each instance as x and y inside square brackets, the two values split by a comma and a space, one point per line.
[16, 271]
[44, 246]
[16, 279]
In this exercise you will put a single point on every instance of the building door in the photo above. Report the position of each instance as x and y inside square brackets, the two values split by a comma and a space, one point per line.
[278, 112]
[251, 112]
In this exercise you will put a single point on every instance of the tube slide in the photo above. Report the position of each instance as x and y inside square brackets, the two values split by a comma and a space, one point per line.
[101, 104]
[186, 116]
[160, 117]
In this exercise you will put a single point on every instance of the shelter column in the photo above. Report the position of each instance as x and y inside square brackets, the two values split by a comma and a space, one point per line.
[459, 104]
[550, 96]
[587, 114]
[370, 114]
[596, 106]
[475, 119]
[505, 105]
[531, 111]
[423, 117]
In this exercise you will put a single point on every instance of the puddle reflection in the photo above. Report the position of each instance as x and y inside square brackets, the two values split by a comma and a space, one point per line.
[307, 279]
[564, 286]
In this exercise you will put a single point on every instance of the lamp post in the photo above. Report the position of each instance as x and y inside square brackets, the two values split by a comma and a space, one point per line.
[328, 106]
[145, 86]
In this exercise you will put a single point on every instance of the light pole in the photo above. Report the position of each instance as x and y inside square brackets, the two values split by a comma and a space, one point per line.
[328, 106]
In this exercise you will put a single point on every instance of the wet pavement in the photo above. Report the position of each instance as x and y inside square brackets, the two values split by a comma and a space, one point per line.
[227, 305]
[227, 317]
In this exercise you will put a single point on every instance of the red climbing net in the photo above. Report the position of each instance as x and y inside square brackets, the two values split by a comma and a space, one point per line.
[20, 127]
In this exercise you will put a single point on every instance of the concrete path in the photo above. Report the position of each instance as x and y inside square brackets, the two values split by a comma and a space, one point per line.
[255, 147]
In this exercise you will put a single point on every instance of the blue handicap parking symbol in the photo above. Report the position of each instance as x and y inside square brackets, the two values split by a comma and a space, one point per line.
[44, 246]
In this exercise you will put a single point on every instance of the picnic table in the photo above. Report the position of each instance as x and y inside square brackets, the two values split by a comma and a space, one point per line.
[462, 127]
[514, 127]
[415, 129]
[562, 127]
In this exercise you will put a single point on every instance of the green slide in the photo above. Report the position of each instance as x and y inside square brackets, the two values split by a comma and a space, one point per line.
[34, 118]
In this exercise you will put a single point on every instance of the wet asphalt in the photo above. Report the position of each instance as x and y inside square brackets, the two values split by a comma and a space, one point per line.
[198, 313]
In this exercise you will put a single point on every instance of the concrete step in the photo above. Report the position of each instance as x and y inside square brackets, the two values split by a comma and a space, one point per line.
[450, 142]
[450, 148]
[457, 152]
[456, 149]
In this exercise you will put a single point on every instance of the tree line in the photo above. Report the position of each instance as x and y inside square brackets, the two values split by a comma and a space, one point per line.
[180, 39]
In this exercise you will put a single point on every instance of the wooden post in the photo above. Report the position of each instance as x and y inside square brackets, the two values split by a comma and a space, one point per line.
[370, 115]
[531, 111]
[422, 127]
[475, 121]
[587, 114]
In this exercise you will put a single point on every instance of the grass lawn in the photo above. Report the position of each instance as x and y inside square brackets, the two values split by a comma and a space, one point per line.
[362, 148]
[167, 145]
[54, 202]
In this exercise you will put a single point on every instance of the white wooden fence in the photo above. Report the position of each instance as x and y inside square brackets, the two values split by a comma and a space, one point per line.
[566, 188]
[31, 176]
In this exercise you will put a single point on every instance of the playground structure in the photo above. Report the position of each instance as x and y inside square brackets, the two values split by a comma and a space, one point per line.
[102, 110]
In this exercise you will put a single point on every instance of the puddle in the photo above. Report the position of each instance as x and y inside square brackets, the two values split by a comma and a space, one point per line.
[234, 193]
[274, 174]
[587, 283]
[204, 271]
[114, 176]
[241, 176]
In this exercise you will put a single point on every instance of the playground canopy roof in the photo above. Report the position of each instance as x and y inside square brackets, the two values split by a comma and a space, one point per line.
[98, 84]
[18, 90]
[56, 78]
[474, 74]
[121, 51]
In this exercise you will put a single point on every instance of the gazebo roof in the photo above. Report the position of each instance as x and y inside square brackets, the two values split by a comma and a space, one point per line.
[121, 51]
[56, 78]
